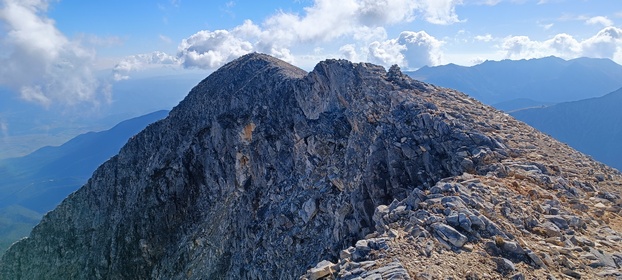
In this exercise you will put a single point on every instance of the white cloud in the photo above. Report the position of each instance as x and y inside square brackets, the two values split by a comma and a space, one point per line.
[490, 2]
[441, 11]
[211, 49]
[564, 45]
[607, 43]
[349, 52]
[366, 34]
[387, 53]
[571, 17]
[410, 50]
[142, 61]
[547, 26]
[519, 47]
[484, 38]
[324, 21]
[421, 49]
[165, 39]
[477, 60]
[39, 61]
[599, 20]
[93, 40]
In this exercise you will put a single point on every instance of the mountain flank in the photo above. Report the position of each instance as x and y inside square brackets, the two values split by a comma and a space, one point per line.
[593, 126]
[265, 171]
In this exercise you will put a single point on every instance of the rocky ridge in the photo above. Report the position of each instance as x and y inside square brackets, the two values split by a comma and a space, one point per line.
[265, 171]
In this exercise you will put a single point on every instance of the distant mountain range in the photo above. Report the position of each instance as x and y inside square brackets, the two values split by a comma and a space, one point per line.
[34, 184]
[593, 126]
[515, 84]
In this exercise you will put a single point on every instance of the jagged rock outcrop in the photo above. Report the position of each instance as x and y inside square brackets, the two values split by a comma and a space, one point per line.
[267, 172]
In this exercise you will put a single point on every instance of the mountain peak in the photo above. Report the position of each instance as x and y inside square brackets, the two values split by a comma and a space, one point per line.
[258, 61]
[265, 171]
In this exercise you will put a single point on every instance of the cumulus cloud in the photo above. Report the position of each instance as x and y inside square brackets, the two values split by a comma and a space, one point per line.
[323, 21]
[386, 53]
[421, 49]
[142, 61]
[562, 45]
[410, 50]
[349, 52]
[41, 63]
[599, 20]
[607, 43]
[210, 49]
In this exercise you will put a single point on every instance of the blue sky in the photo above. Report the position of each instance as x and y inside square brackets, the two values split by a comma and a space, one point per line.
[71, 51]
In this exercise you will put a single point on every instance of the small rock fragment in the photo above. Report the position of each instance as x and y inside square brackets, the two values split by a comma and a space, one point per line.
[322, 269]
[504, 265]
[517, 276]
[572, 273]
[449, 234]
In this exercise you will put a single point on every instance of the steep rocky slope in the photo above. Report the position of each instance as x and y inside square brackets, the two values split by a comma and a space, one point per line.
[267, 172]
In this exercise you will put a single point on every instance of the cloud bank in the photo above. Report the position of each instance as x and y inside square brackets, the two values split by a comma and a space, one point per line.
[361, 22]
[38, 61]
[607, 43]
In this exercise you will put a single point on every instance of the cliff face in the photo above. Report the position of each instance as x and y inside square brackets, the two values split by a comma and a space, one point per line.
[265, 170]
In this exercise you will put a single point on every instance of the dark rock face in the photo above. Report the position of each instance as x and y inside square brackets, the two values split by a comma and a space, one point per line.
[264, 170]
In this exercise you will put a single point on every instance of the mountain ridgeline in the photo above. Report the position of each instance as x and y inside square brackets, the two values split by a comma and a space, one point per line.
[516, 84]
[265, 171]
[43, 178]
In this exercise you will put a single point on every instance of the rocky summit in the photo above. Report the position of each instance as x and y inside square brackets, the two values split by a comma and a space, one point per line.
[266, 171]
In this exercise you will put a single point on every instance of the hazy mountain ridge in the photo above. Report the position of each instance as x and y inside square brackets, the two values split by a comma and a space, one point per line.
[593, 126]
[38, 182]
[29, 126]
[264, 170]
[542, 80]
